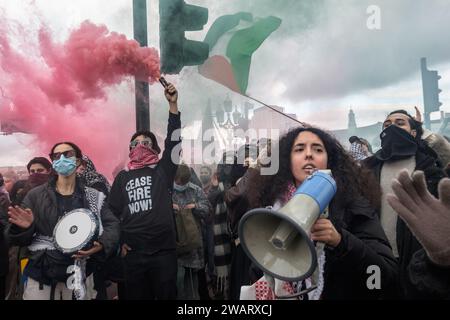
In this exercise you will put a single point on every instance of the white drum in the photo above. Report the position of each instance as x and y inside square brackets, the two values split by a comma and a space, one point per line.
[76, 230]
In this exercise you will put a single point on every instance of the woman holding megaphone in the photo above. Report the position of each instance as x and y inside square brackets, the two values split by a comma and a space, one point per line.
[357, 261]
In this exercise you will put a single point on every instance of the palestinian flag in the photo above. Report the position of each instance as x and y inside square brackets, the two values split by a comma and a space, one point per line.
[232, 41]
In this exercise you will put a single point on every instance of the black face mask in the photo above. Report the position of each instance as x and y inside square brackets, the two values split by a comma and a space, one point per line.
[37, 179]
[205, 178]
[396, 144]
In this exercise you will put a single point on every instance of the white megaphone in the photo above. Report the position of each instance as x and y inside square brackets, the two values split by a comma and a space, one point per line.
[278, 242]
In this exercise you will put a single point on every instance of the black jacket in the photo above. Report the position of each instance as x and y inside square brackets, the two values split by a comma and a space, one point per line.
[42, 201]
[427, 280]
[406, 242]
[4, 265]
[236, 201]
[363, 244]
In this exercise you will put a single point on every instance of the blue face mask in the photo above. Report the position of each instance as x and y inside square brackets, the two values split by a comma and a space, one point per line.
[179, 188]
[65, 166]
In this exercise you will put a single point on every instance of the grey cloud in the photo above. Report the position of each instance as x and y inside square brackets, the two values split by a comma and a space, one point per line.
[340, 56]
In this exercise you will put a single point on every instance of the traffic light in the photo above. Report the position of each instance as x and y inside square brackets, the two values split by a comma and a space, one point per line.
[430, 88]
[176, 17]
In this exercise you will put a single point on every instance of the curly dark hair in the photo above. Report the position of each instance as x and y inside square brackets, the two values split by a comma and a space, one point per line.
[350, 178]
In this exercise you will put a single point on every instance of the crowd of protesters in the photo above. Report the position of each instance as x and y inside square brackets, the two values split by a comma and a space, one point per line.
[168, 234]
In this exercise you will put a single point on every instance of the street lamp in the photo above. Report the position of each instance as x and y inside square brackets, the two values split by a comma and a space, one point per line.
[226, 118]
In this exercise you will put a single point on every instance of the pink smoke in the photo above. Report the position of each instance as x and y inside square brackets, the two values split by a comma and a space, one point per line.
[64, 92]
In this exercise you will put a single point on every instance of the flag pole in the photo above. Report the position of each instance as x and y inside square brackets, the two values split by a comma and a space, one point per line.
[273, 109]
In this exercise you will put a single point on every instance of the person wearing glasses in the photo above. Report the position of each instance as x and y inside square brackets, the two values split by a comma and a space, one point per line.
[32, 224]
[141, 196]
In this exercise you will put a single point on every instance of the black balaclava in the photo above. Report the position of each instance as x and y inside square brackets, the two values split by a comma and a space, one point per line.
[396, 144]
[37, 179]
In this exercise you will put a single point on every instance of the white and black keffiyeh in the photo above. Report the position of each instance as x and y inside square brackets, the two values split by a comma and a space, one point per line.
[357, 151]
[95, 200]
[91, 176]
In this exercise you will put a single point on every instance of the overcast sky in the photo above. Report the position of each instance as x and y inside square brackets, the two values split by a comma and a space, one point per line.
[319, 63]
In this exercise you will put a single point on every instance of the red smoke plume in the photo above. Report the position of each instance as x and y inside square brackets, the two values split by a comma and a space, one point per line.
[62, 93]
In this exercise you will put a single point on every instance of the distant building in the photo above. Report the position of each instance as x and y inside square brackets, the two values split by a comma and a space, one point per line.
[371, 133]
[265, 118]
[442, 125]
[351, 120]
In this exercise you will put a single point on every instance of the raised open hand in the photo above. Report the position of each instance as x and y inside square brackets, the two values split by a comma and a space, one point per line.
[427, 217]
[20, 217]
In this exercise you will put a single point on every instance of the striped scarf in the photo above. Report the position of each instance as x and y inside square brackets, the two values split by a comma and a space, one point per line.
[222, 245]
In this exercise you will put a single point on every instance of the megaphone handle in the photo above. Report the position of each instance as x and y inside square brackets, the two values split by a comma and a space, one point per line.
[320, 245]
[324, 213]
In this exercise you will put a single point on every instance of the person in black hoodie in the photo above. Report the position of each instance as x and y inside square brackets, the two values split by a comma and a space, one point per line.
[33, 223]
[353, 237]
[141, 197]
[402, 147]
